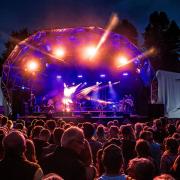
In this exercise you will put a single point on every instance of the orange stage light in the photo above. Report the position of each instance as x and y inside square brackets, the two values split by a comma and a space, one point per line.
[121, 61]
[90, 51]
[32, 66]
[59, 52]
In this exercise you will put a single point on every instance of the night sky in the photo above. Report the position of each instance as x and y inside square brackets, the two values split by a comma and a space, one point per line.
[39, 14]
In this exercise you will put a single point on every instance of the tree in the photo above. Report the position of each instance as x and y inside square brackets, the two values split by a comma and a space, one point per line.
[164, 36]
[128, 30]
[14, 39]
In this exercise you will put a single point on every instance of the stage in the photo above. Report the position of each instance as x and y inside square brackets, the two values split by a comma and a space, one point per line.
[102, 117]
[65, 72]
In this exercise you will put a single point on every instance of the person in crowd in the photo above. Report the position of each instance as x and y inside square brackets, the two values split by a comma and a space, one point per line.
[19, 127]
[141, 169]
[57, 134]
[128, 143]
[177, 137]
[112, 161]
[3, 133]
[86, 157]
[42, 142]
[171, 129]
[175, 171]
[169, 155]
[30, 152]
[89, 132]
[66, 160]
[4, 120]
[24, 130]
[114, 132]
[51, 125]
[159, 131]
[35, 132]
[99, 164]
[137, 129]
[100, 134]
[109, 124]
[39, 122]
[143, 149]
[52, 176]
[30, 127]
[164, 177]
[155, 147]
[9, 125]
[14, 165]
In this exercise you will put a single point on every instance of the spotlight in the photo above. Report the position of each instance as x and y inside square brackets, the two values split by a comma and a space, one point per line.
[22, 87]
[90, 51]
[32, 66]
[73, 83]
[97, 83]
[68, 109]
[59, 52]
[109, 82]
[125, 74]
[138, 70]
[102, 75]
[122, 60]
[58, 77]
[65, 85]
[80, 76]
[85, 83]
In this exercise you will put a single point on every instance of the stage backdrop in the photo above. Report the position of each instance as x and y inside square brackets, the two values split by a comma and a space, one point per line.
[169, 92]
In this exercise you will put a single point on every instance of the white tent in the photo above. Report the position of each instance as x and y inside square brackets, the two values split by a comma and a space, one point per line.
[169, 92]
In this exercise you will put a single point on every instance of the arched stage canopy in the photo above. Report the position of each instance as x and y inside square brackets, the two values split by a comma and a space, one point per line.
[71, 63]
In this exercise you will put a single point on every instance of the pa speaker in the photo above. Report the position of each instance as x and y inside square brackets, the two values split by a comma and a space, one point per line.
[155, 110]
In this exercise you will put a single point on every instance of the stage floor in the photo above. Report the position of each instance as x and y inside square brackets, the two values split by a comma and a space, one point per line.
[91, 116]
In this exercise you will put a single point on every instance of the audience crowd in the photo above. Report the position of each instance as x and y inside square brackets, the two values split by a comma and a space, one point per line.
[57, 150]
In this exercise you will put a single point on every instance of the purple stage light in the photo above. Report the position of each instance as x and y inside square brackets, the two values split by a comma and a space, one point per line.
[109, 82]
[48, 47]
[102, 75]
[80, 76]
[138, 70]
[85, 83]
[125, 74]
[58, 77]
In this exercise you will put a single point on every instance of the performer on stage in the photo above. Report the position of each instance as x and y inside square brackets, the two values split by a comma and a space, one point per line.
[126, 105]
[32, 102]
[50, 106]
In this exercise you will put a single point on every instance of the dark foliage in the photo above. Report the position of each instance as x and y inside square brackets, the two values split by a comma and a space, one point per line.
[14, 39]
[128, 30]
[164, 36]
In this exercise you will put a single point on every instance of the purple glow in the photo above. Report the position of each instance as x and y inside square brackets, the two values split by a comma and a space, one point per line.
[138, 70]
[58, 77]
[48, 48]
[102, 75]
[125, 74]
[80, 76]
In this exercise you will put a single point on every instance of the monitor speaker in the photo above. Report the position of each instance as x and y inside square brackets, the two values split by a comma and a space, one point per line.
[155, 110]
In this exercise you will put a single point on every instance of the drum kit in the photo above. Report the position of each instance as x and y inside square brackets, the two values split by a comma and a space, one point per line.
[125, 105]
